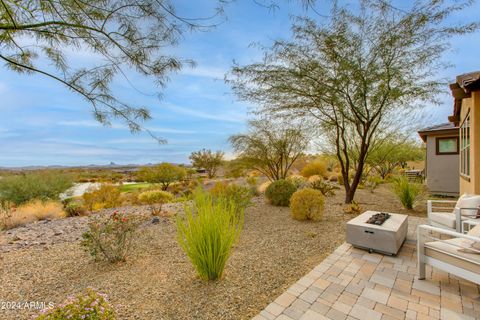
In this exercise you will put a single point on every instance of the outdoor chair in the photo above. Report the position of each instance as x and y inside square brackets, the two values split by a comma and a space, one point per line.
[459, 255]
[449, 214]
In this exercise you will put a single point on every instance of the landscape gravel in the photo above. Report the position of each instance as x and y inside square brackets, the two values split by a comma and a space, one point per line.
[158, 281]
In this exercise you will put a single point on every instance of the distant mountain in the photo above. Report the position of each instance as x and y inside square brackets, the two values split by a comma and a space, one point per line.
[90, 166]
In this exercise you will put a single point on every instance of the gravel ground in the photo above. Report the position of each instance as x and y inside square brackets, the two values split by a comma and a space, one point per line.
[158, 282]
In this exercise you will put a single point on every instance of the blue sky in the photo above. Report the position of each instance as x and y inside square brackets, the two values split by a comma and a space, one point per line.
[42, 123]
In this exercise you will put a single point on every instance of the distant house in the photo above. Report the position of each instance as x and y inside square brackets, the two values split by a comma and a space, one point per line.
[442, 159]
[466, 115]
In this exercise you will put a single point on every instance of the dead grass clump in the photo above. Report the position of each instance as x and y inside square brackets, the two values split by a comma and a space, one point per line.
[33, 211]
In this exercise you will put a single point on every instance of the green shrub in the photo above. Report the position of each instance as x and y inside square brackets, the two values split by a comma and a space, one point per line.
[110, 238]
[279, 192]
[317, 167]
[407, 192]
[107, 196]
[73, 209]
[20, 189]
[89, 305]
[241, 196]
[307, 204]
[252, 181]
[298, 181]
[208, 232]
[155, 199]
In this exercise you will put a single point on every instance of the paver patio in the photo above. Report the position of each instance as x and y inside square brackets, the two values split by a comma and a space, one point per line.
[354, 284]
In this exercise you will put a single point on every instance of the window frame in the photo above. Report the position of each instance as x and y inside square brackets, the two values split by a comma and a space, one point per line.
[464, 148]
[437, 142]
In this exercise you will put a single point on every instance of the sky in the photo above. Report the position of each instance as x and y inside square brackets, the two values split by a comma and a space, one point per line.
[42, 123]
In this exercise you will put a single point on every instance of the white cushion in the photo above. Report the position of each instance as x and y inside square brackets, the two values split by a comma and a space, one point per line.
[446, 219]
[469, 245]
[469, 201]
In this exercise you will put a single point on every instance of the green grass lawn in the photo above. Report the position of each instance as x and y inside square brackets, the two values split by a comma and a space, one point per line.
[134, 187]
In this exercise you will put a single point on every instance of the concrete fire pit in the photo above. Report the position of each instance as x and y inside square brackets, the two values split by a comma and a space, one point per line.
[386, 238]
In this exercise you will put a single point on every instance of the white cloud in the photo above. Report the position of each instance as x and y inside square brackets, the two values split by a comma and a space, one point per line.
[236, 117]
[79, 123]
[169, 130]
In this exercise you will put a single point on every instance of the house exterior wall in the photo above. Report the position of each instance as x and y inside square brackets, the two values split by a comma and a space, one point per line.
[442, 170]
[471, 185]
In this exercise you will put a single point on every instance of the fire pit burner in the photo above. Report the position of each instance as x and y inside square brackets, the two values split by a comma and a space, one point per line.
[378, 218]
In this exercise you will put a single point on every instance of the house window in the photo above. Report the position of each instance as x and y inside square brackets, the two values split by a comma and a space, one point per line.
[465, 147]
[447, 145]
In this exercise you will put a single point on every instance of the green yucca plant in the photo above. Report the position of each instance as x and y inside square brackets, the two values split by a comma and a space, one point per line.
[208, 232]
[408, 192]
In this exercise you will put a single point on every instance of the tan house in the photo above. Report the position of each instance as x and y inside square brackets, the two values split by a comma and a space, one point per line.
[442, 160]
[466, 115]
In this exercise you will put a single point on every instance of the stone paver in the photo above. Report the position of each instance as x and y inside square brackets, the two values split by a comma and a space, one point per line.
[352, 284]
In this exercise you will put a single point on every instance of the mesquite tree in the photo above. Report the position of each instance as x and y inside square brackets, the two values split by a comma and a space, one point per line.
[353, 72]
[269, 147]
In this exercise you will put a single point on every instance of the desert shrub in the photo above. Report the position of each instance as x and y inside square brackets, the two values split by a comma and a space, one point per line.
[298, 181]
[352, 208]
[43, 186]
[155, 200]
[279, 192]
[316, 167]
[89, 305]
[307, 204]
[107, 196]
[325, 187]
[252, 181]
[32, 211]
[241, 196]
[407, 192]
[110, 237]
[208, 232]
[130, 198]
[74, 208]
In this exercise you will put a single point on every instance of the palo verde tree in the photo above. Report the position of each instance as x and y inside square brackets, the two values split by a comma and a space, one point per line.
[208, 160]
[270, 147]
[354, 71]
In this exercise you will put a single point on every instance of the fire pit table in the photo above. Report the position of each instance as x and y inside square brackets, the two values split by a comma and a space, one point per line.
[384, 232]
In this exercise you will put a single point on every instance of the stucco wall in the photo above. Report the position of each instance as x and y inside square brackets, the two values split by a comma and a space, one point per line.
[472, 104]
[442, 170]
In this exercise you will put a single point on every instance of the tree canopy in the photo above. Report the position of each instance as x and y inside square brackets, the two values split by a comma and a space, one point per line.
[164, 174]
[355, 73]
[208, 160]
[270, 147]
